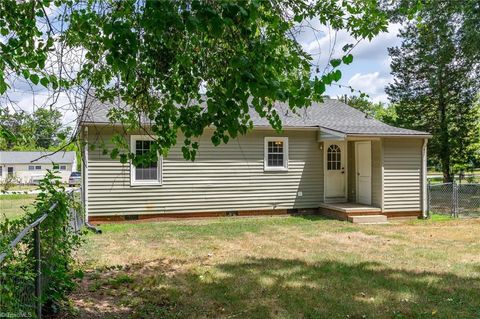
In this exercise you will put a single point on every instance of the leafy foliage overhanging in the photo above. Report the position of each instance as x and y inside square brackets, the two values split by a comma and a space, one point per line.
[186, 65]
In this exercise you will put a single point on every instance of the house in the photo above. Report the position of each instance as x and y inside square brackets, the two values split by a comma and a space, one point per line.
[330, 158]
[30, 167]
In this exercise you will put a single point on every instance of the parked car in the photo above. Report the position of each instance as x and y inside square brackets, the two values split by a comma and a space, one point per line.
[74, 179]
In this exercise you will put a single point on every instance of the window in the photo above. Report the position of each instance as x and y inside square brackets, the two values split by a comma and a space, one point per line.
[1, 171]
[63, 167]
[55, 166]
[38, 168]
[9, 171]
[334, 158]
[31, 168]
[276, 154]
[147, 173]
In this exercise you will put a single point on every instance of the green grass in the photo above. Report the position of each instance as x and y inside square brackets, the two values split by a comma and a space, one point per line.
[281, 267]
[11, 205]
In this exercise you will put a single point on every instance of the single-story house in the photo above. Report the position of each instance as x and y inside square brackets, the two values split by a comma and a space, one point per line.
[30, 167]
[330, 158]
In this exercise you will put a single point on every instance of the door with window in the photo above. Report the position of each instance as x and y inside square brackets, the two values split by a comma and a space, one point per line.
[335, 175]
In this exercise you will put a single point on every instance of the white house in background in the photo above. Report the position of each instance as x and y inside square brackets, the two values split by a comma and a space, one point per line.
[29, 167]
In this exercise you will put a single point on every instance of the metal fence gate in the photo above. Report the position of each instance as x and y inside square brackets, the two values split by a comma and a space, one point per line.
[454, 199]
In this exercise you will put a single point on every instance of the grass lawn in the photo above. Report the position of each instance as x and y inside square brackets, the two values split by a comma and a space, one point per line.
[11, 205]
[281, 267]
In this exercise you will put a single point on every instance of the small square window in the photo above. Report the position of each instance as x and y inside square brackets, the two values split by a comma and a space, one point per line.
[276, 154]
[63, 167]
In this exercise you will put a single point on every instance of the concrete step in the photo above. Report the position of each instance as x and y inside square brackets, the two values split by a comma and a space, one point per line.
[368, 219]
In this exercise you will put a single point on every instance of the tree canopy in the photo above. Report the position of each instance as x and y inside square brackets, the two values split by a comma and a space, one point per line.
[436, 80]
[187, 65]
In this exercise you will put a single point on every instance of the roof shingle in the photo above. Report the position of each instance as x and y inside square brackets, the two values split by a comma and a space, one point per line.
[331, 114]
[21, 157]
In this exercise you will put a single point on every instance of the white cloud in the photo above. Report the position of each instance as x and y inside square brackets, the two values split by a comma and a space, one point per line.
[371, 83]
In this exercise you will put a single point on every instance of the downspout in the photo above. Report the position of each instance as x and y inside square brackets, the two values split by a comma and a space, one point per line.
[85, 172]
[424, 179]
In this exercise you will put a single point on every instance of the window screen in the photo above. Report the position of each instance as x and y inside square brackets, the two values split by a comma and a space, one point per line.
[146, 171]
[334, 158]
[275, 154]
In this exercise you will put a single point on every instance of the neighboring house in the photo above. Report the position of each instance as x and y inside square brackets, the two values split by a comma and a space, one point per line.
[30, 167]
[330, 158]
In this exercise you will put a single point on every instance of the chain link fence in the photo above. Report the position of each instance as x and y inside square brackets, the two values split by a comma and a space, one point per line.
[454, 199]
[21, 293]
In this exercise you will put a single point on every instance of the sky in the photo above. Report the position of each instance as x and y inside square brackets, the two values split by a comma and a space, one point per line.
[369, 72]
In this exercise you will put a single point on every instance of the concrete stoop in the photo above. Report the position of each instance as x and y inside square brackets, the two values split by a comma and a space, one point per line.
[368, 219]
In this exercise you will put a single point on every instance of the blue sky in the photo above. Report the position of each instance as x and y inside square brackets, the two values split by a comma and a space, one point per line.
[369, 72]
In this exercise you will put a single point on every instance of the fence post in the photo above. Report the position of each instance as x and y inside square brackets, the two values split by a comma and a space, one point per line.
[454, 199]
[428, 199]
[38, 272]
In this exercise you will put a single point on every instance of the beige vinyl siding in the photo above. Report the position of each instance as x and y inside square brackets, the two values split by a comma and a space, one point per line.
[402, 160]
[376, 173]
[352, 173]
[224, 178]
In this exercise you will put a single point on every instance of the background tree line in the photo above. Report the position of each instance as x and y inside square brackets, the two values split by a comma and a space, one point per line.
[41, 130]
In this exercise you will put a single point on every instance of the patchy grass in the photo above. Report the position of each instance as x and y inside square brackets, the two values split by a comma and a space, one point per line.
[281, 267]
[11, 205]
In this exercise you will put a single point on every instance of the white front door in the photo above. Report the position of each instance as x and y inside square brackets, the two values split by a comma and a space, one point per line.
[363, 166]
[335, 170]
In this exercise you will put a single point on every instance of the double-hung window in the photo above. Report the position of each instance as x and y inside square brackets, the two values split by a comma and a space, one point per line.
[146, 173]
[276, 154]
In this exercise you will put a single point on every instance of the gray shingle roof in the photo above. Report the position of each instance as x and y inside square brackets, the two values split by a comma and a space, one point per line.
[331, 114]
[11, 157]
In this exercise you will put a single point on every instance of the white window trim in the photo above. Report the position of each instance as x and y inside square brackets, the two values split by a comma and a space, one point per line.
[133, 181]
[283, 168]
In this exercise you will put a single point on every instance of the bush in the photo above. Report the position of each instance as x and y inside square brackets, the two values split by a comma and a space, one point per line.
[8, 182]
[58, 242]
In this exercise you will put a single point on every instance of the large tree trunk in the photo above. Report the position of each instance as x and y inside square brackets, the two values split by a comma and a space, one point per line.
[444, 136]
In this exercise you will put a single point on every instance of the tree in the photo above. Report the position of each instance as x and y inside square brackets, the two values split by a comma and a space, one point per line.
[435, 83]
[41, 130]
[47, 128]
[16, 128]
[159, 56]
[379, 111]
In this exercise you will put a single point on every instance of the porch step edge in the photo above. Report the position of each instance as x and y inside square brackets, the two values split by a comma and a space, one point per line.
[368, 219]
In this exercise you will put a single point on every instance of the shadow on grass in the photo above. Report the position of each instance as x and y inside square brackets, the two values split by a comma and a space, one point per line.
[272, 288]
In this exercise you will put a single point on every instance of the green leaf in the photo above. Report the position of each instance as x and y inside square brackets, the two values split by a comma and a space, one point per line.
[114, 153]
[335, 62]
[347, 59]
[319, 87]
[34, 78]
[337, 75]
[62, 136]
[44, 81]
